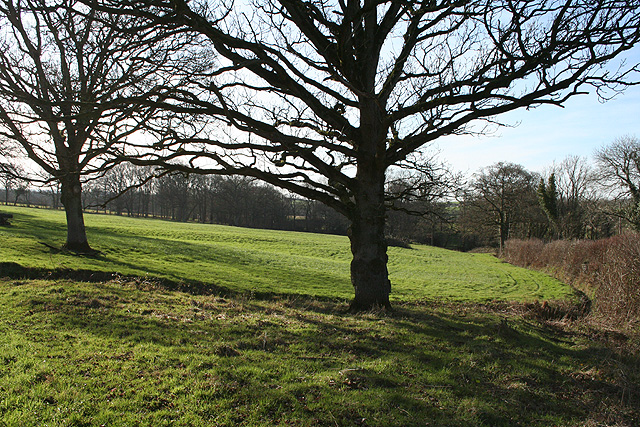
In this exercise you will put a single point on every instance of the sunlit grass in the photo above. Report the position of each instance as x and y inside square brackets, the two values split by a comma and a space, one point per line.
[264, 261]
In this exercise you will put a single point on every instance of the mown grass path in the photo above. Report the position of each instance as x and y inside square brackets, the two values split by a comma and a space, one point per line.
[263, 261]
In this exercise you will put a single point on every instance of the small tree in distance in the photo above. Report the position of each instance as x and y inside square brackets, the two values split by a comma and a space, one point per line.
[566, 197]
[500, 196]
[619, 170]
[322, 97]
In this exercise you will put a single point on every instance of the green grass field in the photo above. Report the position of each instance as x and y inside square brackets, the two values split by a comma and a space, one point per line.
[114, 354]
[275, 346]
[248, 260]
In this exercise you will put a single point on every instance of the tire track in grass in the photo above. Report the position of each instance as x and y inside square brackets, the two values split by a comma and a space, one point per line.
[513, 286]
[532, 278]
[529, 279]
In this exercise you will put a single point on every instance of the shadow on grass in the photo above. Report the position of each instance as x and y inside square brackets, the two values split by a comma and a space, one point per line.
[38, 227]
[300, 360]
[12, 270]
[278, 357]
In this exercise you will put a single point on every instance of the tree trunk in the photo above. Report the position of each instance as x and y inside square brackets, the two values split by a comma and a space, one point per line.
[72, 201]
[503, 228]
[369, 274]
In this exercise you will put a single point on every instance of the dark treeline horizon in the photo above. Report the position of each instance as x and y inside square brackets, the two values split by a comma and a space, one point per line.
[465, 222]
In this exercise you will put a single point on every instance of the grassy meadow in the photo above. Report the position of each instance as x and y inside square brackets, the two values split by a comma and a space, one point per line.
[262, 261]
[250, 328]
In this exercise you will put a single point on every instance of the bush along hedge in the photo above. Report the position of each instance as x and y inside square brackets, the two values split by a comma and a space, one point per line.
[608, 270]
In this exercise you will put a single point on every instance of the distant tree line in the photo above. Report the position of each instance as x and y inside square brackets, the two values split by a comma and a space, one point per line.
[573, 199]
[232, 200]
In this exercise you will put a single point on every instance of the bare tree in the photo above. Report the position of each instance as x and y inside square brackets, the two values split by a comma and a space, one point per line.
[53, 190]
[10, 169]
[575, 181]
[321, 97]
[419, 195]
[7, 181]
[566, 196]
[500, 196]
[619, 171]
[7, 176]
[71, 81]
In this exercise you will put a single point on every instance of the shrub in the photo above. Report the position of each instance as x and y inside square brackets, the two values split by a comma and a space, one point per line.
[618, 281]
[525, 253]
[608, 270]
[551, 255]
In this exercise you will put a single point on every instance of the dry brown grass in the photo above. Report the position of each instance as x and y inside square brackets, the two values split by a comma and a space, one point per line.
[607, 270]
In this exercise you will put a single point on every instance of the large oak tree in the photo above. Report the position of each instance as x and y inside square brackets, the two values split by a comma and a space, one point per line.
[71, 84]
[322, 97]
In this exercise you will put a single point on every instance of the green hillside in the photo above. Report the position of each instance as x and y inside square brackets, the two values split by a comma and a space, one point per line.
[249, 260]
[126, 352]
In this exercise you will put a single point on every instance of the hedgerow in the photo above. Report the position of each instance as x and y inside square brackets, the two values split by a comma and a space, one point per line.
[607, 270]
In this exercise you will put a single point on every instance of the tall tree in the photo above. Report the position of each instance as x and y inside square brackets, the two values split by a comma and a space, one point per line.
[619, 170]
[321, 97]
[71, 81]
[548, 200]
[574, 188]
[10, 177]
[9, 170]
[567, 195]
[500, 196]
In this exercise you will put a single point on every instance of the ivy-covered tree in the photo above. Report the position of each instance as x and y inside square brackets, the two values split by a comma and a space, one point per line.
[548, 199]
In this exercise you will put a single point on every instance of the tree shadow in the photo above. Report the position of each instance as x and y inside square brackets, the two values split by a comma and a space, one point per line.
[417, 364]
[108, 265]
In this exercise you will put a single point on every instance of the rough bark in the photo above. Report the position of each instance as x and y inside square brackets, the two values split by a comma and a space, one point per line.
[369, 274]
[71, 198]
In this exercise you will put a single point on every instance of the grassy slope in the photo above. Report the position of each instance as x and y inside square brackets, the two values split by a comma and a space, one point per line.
[123, 353]
[263, 261]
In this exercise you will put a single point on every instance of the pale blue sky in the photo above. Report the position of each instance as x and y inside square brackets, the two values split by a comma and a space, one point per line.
[548, 133]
